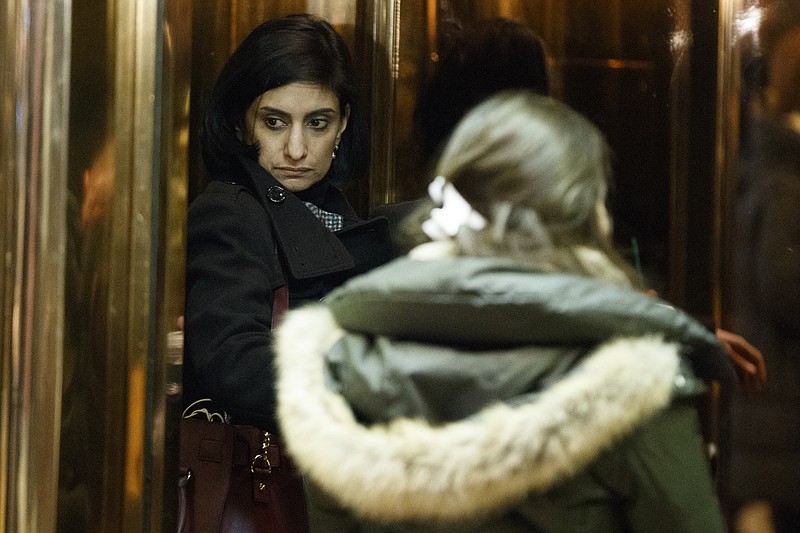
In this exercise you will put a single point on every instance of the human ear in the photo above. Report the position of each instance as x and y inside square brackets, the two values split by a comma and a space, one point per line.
[343, 123]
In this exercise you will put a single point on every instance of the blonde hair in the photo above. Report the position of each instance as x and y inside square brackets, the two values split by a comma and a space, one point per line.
[538, 171]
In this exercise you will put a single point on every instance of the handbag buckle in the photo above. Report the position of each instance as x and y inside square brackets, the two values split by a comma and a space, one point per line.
[261, 460]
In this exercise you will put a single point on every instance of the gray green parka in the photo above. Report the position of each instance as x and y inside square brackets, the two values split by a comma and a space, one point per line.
[466, 394]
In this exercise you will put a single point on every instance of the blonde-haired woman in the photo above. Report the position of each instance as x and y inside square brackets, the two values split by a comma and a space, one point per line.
[506, 376]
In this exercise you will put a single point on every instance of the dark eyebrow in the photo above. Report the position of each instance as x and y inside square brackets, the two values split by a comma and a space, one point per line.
[280, 112]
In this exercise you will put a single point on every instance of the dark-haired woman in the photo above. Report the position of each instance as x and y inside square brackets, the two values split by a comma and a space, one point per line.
[284, 127]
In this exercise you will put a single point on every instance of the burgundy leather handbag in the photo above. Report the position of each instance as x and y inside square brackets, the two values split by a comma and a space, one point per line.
[237, 478]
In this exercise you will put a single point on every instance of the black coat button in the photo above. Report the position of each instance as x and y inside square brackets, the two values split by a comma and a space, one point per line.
[276, 194]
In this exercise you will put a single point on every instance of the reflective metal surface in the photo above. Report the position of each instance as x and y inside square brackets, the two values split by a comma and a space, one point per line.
[129, 79]
[172, 194]
[132, 293]
[383, 26]
[35, 51]
[620, 62]
[759, 222]
[728, 128]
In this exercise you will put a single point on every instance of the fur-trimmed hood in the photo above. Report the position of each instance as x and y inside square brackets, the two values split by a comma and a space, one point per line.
[411, 470]
[408, 468]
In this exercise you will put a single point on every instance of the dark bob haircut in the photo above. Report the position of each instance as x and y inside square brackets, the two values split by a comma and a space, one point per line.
[493, 55]
[295, 48]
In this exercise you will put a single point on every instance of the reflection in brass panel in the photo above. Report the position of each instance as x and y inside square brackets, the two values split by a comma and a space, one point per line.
[679, 106]
[110, 367]
[33, 126]
[727, 154]
[171, 241]
[611, 60]
[131, 285]
[8, 239]
[382, 24]
[83, 490]
[8, 210]
[761, 266]
[93, 397]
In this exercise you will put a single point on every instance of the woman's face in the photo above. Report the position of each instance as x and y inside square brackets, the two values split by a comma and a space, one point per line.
[296, 127]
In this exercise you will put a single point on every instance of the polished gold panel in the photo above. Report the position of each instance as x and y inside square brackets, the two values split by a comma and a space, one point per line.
[382, 24]
[132, 293]
[171, 220]
[757, 179]
[729, 77]
[32, 187]
[8, 239]
[85, 455]
[127, 182]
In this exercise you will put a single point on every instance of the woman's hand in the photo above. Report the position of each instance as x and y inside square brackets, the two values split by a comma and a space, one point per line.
[746, 358]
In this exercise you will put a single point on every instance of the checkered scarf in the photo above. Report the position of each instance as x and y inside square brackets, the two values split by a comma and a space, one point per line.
[332, 221]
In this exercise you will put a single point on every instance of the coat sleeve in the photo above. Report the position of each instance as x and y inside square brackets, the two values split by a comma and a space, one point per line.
[670, 485]
[231, 273]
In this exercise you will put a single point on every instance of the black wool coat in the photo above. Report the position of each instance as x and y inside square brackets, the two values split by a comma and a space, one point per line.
[247, 236]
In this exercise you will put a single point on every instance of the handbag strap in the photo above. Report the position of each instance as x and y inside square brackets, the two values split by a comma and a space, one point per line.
[280, 301]
[280, 304]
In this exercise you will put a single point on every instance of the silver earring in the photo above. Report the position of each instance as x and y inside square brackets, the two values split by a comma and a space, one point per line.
[335, 148]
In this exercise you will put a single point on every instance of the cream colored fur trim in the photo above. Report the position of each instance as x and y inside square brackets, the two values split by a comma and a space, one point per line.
[411, 470]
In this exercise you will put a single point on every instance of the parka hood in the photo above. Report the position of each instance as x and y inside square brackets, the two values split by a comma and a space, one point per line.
[473, 302]
[628, 368]
[409, 469]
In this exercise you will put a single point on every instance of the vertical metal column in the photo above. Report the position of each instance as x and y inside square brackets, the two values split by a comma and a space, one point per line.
[132, 279]
[35, 52]
[382, 22]
[128, 271]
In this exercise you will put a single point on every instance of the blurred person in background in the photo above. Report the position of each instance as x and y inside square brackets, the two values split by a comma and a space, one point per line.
[765, 471]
